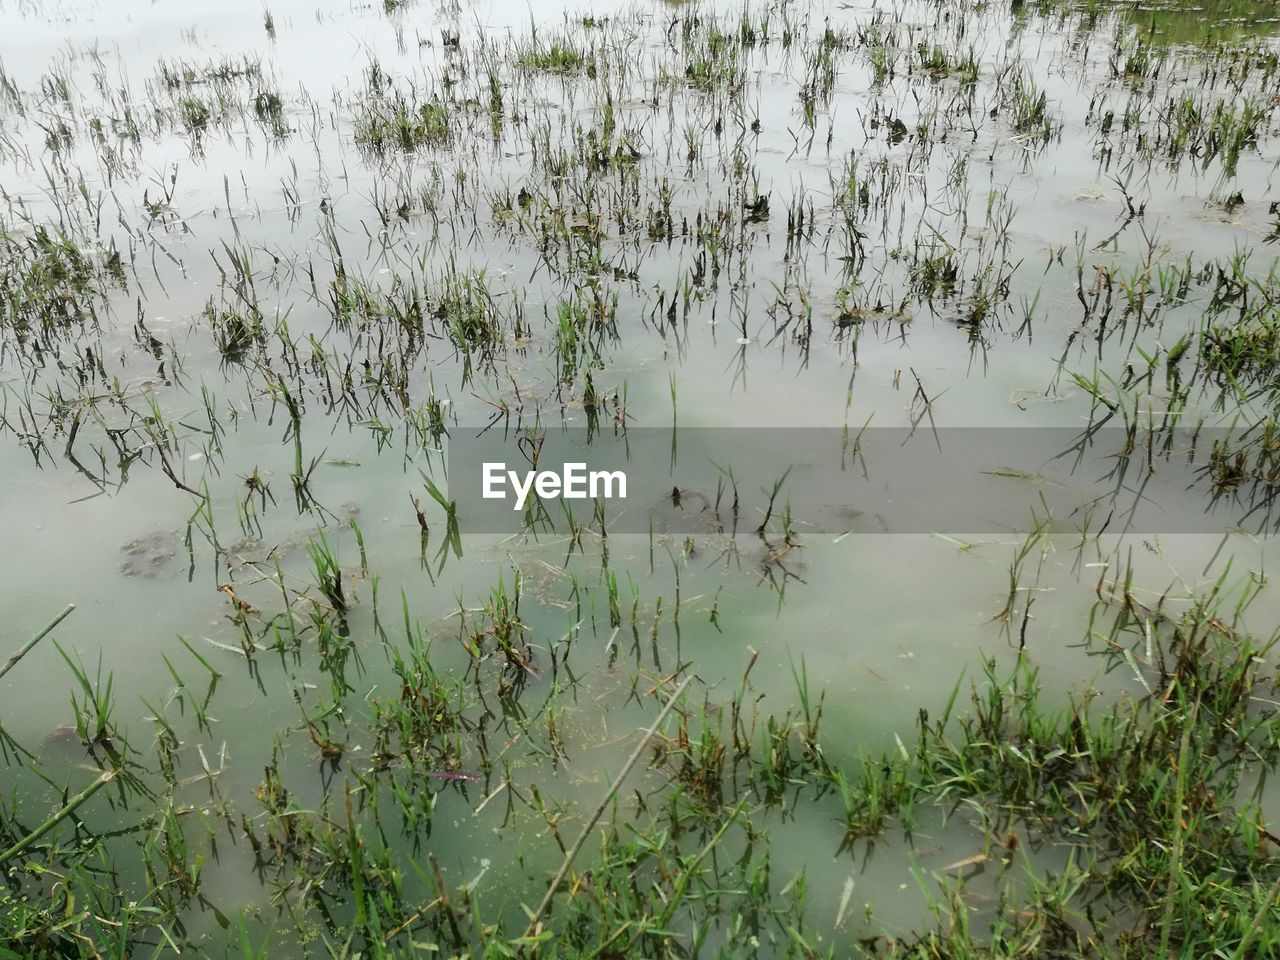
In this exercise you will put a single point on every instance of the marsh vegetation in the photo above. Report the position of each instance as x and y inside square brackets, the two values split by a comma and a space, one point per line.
[261, 265]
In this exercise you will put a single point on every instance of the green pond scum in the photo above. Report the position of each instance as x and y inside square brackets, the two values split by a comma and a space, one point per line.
[265, 263]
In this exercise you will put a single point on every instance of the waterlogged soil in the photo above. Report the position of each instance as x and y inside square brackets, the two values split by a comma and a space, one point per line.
[149, 556]
[263, 264]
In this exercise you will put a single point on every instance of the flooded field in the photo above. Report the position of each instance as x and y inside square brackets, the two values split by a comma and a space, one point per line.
[940, 338]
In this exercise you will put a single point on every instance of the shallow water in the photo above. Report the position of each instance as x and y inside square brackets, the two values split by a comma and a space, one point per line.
[715, 320]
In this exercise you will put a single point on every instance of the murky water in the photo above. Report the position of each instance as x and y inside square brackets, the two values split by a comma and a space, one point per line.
[784, 215]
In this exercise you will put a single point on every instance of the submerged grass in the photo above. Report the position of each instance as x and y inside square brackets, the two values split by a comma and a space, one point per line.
[527, 221]
[1154, 804]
